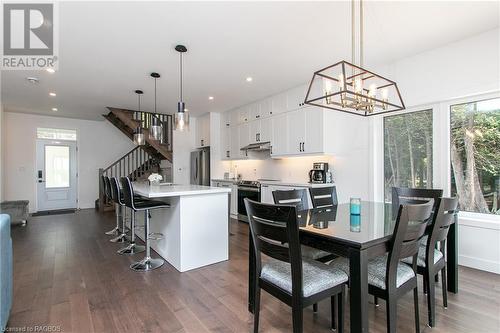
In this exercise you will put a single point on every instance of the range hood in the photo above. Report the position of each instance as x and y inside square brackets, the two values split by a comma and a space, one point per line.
[260, 146]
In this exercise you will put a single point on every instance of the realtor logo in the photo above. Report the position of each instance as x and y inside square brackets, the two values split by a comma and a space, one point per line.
[29, 36]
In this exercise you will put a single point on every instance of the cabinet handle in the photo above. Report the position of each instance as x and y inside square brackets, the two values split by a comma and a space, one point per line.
[257, 116]
[201, 143]
[271, 112]
[271, 148]
[303, 146]
[300, 146]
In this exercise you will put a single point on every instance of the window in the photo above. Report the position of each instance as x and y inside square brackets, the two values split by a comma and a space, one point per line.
[407, 151]
[56, 134]
[475, 155]
[56, 166]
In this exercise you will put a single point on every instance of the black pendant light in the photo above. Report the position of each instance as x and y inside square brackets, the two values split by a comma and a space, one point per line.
[139, 139]
[181, 119]
[155, 129]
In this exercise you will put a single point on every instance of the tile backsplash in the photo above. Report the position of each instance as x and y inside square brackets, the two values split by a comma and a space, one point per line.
[291, 169]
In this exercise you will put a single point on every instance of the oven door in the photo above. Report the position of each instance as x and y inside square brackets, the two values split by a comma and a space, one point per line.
[252, 193]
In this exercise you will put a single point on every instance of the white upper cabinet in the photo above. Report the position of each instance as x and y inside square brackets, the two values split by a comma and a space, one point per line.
[234, 137]
[314, 139]
[244, 138]
[297, 131]
[226, 119]
[279, 140]
[255, 130]
[226, 143]
[244, 114]
[295, 98]
[202, 134]
[266, 108]
[278, 104]
[254, 111]
[266, 129]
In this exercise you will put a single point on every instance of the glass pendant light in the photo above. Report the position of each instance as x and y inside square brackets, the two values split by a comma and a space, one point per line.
[181, 118]
[139, 139]
[155, 129]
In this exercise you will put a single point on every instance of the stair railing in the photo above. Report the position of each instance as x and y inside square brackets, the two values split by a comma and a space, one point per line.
[166, 121]
[133, 164]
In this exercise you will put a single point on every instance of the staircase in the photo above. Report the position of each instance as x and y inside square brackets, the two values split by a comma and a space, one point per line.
[141, 161]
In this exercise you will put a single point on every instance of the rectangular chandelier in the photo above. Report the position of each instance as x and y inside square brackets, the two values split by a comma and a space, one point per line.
[349, 88]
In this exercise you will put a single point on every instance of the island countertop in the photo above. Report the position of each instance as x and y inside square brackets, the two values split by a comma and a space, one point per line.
[173, 190]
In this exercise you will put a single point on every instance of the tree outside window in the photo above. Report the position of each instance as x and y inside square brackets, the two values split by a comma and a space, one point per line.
[407, 151]
[475, 155]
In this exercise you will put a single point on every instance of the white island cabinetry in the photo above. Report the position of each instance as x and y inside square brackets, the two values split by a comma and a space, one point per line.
[195, 227]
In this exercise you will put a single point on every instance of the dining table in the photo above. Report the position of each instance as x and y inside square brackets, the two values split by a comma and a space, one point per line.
[358, 237]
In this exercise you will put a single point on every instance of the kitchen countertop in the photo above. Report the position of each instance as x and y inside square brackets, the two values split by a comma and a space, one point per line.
[233, 181]
[166, 190]
[281, 183]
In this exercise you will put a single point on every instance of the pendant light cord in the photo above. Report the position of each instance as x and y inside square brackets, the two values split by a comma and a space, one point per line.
[181, 74]
[360, 33]
[353, 32]
[155, 95]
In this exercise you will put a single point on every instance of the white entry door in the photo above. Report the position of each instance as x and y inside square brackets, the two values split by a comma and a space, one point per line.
[56, 174]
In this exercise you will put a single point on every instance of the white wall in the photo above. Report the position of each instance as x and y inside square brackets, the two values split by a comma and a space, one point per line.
[435, 79]
[99, 144]
[1, 142]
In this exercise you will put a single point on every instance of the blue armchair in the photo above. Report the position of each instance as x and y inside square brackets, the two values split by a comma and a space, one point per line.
[5, 270]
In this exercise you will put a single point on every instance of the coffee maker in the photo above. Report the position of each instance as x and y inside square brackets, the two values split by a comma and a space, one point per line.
[318, 174]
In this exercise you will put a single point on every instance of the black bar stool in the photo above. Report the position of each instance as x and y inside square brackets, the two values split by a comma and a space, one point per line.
[132, 247]
[147, 263]
[120, 213]
[107, 193]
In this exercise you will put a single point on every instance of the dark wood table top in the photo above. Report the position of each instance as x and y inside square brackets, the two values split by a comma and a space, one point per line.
[374, 225]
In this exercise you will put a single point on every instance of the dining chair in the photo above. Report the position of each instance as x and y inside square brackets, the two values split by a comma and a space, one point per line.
[296, 281]
[431, 259]
[388, 277]
[323, 196]
[411, 196]
[298, 198]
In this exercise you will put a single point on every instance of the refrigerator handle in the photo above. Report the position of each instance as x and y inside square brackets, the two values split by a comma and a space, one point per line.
[196, 169]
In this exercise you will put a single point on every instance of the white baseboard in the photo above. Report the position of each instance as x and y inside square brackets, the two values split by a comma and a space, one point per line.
[478, 263]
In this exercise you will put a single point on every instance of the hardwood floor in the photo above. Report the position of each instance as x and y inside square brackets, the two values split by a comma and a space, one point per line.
[67, 274]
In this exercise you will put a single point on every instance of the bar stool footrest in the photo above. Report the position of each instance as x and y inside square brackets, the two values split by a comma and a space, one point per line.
[155, 236]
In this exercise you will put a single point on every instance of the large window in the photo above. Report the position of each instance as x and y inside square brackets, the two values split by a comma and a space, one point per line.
[407, 151]
[475, 155]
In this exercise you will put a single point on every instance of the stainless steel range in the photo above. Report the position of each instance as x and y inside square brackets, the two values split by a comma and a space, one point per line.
[247, 189]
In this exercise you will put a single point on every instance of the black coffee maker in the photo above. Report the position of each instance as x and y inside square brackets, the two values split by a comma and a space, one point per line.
[318, 172]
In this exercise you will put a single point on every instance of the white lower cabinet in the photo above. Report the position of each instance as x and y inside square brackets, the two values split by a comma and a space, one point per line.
[234, 195]
[266, 192]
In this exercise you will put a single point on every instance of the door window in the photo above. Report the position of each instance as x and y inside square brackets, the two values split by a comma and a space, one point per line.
[56, 166]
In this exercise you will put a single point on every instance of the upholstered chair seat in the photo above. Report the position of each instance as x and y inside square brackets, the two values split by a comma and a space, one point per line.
[421, 257]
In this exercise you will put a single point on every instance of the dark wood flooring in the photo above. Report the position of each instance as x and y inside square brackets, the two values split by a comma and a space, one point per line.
[67, 274]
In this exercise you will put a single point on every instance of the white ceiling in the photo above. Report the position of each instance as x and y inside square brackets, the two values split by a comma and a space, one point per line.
[108, 49]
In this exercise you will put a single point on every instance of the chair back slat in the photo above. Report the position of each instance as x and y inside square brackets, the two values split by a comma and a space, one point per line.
[128, 192]
[297, 198]
[107, 187]
[411, 223]
[444, 219]
[323, 196]
[275, 232]
[115, 190]
[414, 196]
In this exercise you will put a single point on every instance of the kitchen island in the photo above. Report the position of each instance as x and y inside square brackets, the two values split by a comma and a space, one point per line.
[195, 227]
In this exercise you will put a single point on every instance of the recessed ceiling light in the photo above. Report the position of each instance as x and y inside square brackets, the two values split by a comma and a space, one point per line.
[211, 98]
[249, 79]
[53, 94]
[54, 109]
[50, 70]
[32, 79]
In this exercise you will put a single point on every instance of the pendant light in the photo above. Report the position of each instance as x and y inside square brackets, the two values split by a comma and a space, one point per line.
[181, 118]
[347, 87]
[139, 139]
[155, 129]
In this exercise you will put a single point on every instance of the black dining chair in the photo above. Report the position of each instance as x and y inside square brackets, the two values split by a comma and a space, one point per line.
[107, 195]
[388, 277]
[413, 196]
[298, 198]
[296, 281]
[323, 196]
[431, 259]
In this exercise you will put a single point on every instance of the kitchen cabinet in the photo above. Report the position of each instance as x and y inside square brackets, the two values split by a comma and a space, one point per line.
[278, 104]
[255, 130]
[260, 130]
[297, 135]
[234, 142]
[254, 111]
[202, 134]
[266, 192]
[279, 139]
[266, 108]
[226, 143]
[305, 131]
[295, 98]
[233, 206]
[244, 115]
[226, 119]
[244, 138]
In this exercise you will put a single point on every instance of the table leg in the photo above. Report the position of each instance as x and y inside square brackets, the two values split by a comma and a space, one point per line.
[358, 270]
[251, 274]
[452, 257]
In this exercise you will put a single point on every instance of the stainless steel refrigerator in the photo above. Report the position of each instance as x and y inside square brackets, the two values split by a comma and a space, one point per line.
[200, 167]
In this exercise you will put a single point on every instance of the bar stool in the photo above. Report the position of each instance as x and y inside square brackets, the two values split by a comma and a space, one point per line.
[120, 214]
[107, 192]
[147, 263]
[132, 247]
